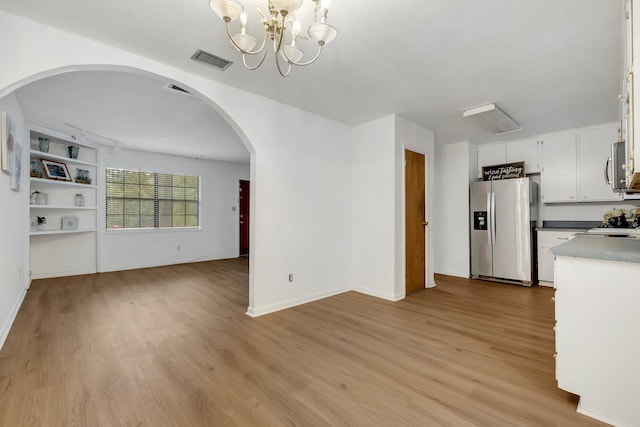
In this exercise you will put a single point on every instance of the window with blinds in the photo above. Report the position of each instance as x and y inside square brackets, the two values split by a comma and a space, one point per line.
[139, 199]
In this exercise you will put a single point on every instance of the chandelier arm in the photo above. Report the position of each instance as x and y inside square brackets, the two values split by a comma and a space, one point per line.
[244, 61]
[255, 52]
[280, 69]
[277, 46]
[303, 64]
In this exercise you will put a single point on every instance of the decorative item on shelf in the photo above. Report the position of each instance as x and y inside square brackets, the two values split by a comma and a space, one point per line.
[33, 223]
[278, 18]
[36, 169]
[78, 200]
[83, 176]
[41, 220]
[616, 218]
[39, 198]
[69, 222]
[43, 144]
[55, 170]
[635, 217]
[73, 151]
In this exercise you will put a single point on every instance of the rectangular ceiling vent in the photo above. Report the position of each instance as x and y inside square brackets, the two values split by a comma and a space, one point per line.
[493, 119]
[211, 59]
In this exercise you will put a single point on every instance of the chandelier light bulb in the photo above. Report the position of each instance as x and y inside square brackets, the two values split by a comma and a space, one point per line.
[322, 33]
[243, 23]
[227, 8]
[245, 42]
[293, 53]
[288, 5]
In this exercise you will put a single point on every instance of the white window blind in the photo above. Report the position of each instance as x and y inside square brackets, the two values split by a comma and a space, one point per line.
[139, 199]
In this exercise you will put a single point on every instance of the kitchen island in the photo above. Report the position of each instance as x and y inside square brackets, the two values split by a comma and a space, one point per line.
[597, 300]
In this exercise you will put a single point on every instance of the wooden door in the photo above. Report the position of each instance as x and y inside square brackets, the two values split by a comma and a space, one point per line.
[244, 198]
[415, 222]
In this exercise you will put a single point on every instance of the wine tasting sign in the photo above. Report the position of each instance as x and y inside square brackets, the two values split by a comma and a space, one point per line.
[506, 171]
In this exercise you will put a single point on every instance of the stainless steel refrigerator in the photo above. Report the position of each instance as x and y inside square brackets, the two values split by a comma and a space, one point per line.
[503, 214]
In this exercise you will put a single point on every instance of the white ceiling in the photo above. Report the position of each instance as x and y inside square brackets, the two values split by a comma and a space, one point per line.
[138, 112]
[550, 64]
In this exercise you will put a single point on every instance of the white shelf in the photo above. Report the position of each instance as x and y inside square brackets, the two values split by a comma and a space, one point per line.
[56, 183]
[63, 207]
[51, 232]
[49, 156]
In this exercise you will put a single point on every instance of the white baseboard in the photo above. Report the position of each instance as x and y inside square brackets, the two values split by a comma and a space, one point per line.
[544, 283]
[6, 327]
[49, 275]
[383, 295]
[581, 410]
[431, 285]
[260, 311]
[137, 266]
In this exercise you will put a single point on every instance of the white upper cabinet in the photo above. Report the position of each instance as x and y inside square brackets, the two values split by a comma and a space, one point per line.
[594, 147]
[631, 92]
[497, 153]
[491, 154]
[524, 150]
[560, 168]
[574, 165]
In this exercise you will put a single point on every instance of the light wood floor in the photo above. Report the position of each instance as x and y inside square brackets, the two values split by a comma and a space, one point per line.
[172, 346]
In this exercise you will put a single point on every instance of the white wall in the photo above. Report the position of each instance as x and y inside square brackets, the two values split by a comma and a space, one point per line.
[301, 172]
[373, 230]
[218, 235]
[378, 203]
[412, 137]
[13, 227]
[455, 170]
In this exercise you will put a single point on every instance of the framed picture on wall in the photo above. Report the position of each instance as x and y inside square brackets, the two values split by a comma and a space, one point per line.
[7, 144]
[17, 173]
[55, 170]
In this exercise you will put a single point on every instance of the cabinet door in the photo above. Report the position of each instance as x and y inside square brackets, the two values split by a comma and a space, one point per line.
[559, 171]
[545, 262]
[547, 240]
[526, 151]
[594, 147]
[491, 154]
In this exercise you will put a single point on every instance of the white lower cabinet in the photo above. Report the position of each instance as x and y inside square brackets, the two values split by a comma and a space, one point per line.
[547, 240]
[597, 341]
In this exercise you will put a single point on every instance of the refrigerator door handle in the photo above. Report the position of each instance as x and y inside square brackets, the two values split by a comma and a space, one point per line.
[489, 222]
[493, 218]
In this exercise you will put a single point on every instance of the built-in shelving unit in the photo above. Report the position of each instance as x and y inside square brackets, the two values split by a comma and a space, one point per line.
[70, 208]
[56, 250]
[51, 232]
[48, 156]
[54, 183]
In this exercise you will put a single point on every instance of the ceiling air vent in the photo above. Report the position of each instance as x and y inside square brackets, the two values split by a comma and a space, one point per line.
[177, 88]
[211, 59]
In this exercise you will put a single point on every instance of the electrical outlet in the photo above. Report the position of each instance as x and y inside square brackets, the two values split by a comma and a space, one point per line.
[291, 277]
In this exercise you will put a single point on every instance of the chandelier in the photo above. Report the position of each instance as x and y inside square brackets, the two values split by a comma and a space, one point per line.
[281, 27]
